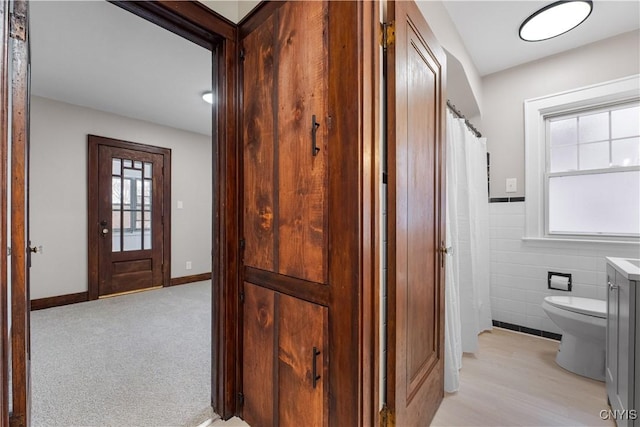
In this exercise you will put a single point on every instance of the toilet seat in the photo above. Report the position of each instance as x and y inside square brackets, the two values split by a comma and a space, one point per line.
[586, 306]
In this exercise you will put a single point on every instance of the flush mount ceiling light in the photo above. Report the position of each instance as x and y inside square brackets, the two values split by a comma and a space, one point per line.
[208, 97]
[555, 19]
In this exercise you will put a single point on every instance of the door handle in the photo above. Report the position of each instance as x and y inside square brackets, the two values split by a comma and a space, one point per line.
[446, 250]
[36, 249]
[314, 129]
[612, 287]
[316, 377]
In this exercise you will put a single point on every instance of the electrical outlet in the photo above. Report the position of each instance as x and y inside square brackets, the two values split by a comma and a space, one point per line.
[188, 267]
[512, 185]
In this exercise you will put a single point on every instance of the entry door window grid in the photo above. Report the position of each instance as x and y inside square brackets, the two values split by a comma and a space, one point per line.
[593, 171]
[131, 184]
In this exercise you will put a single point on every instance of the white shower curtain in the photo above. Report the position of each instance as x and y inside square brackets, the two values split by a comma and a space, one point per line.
[467, 303]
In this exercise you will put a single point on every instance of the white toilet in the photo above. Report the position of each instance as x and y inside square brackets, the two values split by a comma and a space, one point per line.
[583, 322]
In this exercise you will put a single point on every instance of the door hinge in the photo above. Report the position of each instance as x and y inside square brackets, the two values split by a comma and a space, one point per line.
[242, 297]
[241, 54]
[387, 417]
[240, 399]
[242, 244]
[18, 27]
[387, 34]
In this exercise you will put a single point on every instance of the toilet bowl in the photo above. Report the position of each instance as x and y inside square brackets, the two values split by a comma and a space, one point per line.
[583, 322]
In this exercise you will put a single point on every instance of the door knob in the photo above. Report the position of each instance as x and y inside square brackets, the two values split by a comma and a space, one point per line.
[36, 249]
[612, 287]
[447, 250]
[105, 230]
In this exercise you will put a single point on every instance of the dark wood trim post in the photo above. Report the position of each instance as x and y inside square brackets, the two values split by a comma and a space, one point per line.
[19, 215]
[226, 234]
[4, 126]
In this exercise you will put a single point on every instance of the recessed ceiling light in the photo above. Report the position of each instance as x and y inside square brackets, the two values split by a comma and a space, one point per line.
[555, 19]
[208, 97]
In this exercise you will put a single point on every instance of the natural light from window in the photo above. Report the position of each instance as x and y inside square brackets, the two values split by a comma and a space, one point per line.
[593, 179]
[582, 151]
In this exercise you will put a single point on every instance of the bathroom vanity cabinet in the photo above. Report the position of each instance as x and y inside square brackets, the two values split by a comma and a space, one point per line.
[622, 368]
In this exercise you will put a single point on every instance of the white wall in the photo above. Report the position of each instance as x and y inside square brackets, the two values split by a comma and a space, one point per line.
[464, 85]
[519, 269]
[233, 10]
[504, 93]
[58, 192]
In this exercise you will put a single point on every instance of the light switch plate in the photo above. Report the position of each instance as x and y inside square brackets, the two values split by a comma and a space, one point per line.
[512, 185]
[180, 205]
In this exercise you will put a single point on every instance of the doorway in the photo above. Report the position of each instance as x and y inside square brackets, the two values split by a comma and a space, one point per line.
[129, 216]
[77, 174]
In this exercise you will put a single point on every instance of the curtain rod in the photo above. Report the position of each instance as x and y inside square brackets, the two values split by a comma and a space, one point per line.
[458, 114]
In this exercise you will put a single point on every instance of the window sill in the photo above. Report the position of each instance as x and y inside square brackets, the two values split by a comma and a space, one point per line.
[564, 241]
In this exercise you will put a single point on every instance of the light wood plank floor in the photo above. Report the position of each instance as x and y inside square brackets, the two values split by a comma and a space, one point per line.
[515, 381]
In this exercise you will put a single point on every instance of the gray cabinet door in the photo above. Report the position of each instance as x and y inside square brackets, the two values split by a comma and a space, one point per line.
[611, 371]
[620, 363]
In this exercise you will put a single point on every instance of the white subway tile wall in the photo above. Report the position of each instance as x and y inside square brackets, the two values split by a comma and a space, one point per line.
[519, 268]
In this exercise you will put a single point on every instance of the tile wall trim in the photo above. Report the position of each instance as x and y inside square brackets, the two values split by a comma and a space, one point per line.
[524, 329]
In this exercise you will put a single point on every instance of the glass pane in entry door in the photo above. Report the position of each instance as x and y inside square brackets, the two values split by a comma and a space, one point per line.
[131, 184]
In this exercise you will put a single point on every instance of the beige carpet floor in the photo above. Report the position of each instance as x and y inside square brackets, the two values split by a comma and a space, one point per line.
[136, 360]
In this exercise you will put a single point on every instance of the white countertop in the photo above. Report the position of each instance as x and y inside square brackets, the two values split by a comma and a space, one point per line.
[628, 267]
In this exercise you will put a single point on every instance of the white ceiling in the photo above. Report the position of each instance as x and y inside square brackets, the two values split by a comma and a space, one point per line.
[97, 55]
[489, 30]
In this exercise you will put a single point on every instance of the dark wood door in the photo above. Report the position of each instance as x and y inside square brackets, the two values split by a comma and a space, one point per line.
[415, 370]
[285, 163]
[285, 361]
[128, 225]
[306, 207]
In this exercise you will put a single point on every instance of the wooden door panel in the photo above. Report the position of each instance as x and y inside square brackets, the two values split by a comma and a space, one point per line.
[420, 214]
[285, 184]
[285, 194]
[260, 192]
[302, 328]
[302, 177]
[416, 227]
[282, 337]
[258, 356]
[123, 267]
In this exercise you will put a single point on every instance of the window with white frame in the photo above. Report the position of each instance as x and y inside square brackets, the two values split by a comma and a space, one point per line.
[583, 163]
[593, 172]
